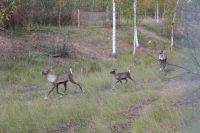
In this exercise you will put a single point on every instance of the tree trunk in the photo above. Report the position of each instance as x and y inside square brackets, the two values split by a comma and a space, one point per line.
[59, 15]
[157, 19]
[172, 37]
[78, 16]
[173, 22]
[114, 31]
[135, 40]
[157, 12]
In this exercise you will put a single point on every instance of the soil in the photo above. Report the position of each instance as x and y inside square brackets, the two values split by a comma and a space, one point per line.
[152, 35]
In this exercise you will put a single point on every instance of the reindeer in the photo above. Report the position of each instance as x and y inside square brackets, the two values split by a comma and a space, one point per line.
[122, 76]
[163, 60]
[56, 80]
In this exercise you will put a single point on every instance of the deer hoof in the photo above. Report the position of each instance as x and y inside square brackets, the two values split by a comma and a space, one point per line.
[45, 98]
[61, 96]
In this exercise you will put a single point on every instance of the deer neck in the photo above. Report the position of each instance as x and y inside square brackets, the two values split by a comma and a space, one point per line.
[51, 77]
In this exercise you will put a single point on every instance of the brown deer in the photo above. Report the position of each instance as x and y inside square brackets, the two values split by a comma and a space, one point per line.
[122, 76]
[56, 80]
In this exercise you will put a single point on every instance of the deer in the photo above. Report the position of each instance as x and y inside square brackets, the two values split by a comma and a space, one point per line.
[122, 76]
[163, 60]
[56, 80]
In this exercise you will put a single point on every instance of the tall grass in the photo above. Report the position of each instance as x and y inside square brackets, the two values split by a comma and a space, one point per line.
[23, 87]
[159, 118]
[102, 105]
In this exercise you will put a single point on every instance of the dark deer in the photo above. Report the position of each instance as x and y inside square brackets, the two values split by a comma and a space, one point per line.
[56, 80]
[122, 76]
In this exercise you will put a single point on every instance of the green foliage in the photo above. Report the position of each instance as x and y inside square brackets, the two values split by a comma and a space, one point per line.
[7, 9]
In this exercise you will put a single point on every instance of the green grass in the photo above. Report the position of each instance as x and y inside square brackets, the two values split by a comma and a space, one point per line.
[159, 118]
[23, 108]
[99, 108]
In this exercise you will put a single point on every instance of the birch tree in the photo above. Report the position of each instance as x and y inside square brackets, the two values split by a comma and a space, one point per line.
[156, 11]
[114, 30]
[172, 27]
[61, 4]
[135, 40]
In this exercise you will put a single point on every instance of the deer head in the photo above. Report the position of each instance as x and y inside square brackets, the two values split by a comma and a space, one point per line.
[113, 71]
[46, 72]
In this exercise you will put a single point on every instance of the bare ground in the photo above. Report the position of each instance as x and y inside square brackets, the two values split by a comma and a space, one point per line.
[152, 35]
[93, 52]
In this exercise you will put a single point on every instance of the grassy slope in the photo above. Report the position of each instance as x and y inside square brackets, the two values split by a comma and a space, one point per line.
[101, 108]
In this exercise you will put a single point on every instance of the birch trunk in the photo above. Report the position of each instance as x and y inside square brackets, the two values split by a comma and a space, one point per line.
[59, 15]
[155, 17]
[114, 31]
[78, 16]
[172, 27]
[172, 37]
[157, 13]
[135, 41]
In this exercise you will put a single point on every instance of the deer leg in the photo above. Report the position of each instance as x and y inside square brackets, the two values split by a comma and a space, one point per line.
[58, 91]
[46, 97]
[72, 81]
[51, 91]
[165, 63]
[65, 85]
[132, 80]
[160, 65]
[119, 80]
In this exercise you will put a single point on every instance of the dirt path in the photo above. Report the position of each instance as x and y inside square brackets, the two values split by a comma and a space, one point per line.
[167, 88]
[93, 52]
[177, 86]
[152, 35]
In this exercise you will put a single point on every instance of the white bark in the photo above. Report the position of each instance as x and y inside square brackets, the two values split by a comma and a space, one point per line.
[135, 41]
[157, 13]
[114, 31]
[155, 17]
[78, 15]
[172, 28]
[172, 38]
[59, 15]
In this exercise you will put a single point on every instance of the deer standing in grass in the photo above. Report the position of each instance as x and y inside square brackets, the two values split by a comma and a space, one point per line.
[163, 60]
[122, 76]
[56, 80]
